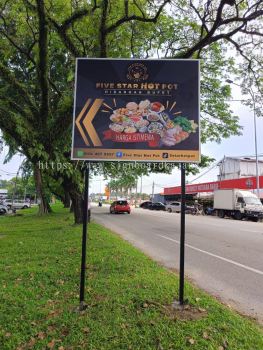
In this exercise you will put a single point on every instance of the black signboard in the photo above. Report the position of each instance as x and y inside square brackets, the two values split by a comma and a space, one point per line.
[136, 110]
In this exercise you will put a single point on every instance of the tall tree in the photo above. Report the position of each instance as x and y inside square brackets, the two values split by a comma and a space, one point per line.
[40, 40]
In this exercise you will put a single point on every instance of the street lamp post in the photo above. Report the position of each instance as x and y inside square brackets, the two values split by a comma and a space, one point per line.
[255, 130]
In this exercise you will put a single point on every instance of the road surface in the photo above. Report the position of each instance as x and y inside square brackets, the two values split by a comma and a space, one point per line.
[223, 256]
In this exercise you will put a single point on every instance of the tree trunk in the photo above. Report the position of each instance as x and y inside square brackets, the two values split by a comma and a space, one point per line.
[66, 200]
[71, 210]
[77, 205]
[44, 207]
[76, 199]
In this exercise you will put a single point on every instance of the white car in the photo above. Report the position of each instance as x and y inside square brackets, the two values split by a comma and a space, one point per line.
[174, 207]
[16, 204]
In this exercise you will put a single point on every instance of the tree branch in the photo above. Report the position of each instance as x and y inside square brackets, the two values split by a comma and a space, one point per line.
[12, 41]
[43, 60]
[10, 78]
[8, 125]
[77, 16]
[207, 39]
[126, 18]
[202, 19]
[62, 33]
[103, 30]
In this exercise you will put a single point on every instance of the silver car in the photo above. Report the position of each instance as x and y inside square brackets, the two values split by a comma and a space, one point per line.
[174, 207]
[17, 204]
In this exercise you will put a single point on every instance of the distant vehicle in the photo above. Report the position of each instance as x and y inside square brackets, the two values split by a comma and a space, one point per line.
[238, 204]
[3, 209]
[174, 207]
[120, 207]
[209, 211]
[16, 204]
[146, 205]
[157, 206]
[198, 209]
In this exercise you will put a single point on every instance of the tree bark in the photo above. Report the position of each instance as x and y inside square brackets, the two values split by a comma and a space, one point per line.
[66, 200]
[44, 207]
[77, 205]
[76, 199]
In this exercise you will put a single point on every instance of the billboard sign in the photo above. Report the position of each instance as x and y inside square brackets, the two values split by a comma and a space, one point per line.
[136, 110]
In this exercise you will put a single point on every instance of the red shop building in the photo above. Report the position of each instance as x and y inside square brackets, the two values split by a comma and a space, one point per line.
[245, 183]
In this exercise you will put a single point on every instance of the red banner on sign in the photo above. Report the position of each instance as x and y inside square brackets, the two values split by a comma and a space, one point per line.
[152, 139]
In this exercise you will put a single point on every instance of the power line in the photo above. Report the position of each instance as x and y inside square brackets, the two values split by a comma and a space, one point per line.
[207, 171]
[7, 172]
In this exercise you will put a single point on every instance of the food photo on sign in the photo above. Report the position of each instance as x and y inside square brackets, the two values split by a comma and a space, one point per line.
[149, 121]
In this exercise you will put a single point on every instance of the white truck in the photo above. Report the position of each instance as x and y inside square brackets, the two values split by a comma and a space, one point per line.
[238, 204]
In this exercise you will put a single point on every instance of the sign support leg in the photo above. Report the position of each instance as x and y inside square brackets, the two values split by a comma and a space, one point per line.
[82, 305]
[182, 238]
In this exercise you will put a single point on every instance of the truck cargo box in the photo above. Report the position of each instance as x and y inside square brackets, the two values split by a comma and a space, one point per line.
[225, 199]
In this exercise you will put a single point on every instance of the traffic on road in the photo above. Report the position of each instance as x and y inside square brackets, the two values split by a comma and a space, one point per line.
[224, 257]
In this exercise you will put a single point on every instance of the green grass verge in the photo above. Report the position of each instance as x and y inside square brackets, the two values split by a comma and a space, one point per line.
[125, 291]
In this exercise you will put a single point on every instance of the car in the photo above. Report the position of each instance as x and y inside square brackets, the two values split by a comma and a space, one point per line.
[157, 206]
[120, 206]
[16, 204]
[3, 209]
[174, 207]
[145, 205]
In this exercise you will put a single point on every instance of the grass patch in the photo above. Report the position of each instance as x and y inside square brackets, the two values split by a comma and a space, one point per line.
[128, 295]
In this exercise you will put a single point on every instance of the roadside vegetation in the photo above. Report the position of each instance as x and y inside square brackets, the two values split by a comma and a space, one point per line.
[128, 295]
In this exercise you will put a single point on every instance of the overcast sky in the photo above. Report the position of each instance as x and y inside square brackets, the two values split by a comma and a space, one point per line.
[234, 146]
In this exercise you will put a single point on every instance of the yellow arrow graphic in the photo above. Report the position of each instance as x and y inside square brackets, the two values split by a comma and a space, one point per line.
[78, 121]
[87, 122]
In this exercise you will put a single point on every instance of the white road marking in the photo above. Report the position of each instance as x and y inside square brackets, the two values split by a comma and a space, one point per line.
[243, 230]
[215, 256]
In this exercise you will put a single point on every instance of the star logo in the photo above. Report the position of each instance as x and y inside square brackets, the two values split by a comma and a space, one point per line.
[137, 72]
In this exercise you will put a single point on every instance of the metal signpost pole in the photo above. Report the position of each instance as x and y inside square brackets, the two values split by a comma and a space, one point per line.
[84, 240]
[153, 192]
[182, 239]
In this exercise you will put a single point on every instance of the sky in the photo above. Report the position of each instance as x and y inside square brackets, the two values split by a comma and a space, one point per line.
[243, 145]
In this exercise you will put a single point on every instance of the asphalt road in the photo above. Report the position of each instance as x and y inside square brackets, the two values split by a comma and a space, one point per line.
[223, 256]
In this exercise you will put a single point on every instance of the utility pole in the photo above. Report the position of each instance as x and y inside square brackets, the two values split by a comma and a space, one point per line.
[14, 188]
[141, 190]
[252, 94]
[136, 192]
[152, 192]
